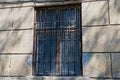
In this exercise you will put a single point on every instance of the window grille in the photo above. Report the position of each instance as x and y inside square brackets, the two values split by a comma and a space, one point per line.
[57, 49]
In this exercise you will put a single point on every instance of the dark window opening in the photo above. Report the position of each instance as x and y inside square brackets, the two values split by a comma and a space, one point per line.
[57, 45]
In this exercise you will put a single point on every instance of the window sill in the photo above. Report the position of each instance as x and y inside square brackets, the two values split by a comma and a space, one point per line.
[59, 78]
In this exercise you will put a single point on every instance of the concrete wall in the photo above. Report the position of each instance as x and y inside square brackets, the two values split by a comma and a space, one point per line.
[16, 42]
[100, 40]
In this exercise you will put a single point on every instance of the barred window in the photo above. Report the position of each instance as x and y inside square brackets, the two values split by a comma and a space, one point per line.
[57, 44]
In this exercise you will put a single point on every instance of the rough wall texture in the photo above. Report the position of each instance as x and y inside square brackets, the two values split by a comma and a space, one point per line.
[100, 40]
[16, 41]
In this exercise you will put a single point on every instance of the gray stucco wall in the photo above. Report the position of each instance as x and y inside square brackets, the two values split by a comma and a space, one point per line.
[16, 41]
[100, 40]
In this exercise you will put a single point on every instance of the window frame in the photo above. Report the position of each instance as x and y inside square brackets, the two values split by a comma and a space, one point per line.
[34, 37]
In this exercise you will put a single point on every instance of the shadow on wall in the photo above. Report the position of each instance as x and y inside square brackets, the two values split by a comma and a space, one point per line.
[15, 41]
[99, 39]
[95, 39]
[94, 13]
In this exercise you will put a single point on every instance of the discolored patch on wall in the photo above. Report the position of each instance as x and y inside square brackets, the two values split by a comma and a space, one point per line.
[96, 64]
[29, 60]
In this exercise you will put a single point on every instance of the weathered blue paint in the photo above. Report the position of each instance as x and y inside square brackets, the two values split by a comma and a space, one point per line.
[29, 60]
[86, 58]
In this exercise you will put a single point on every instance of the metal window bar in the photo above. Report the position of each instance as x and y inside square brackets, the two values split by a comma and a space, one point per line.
[58, 41]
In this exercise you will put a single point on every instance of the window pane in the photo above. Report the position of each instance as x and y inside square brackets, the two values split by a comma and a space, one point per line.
[46, 18]
[69, 51]
[64, 17]
[78, 17]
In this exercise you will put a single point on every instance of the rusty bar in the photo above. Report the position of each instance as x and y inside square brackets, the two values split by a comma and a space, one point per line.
[81, 38]
[58, 45]
[34, 44]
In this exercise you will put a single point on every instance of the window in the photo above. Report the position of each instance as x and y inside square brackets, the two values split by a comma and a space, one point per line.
[57, 46]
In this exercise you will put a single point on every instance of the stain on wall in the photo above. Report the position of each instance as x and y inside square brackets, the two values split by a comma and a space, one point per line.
[29, 60]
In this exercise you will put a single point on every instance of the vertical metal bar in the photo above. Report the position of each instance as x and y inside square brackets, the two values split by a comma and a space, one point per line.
[61, 50]
[51, 41]
[38, 43]
[62, 47]
[44, 62]
[80, 9]
[74, 40]
[58, 45]
[60, 71]
[68, 41]
[40, 15]
[55, 41]
[40, 23]
[34, 45]
[37, 53]
[62, 42]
